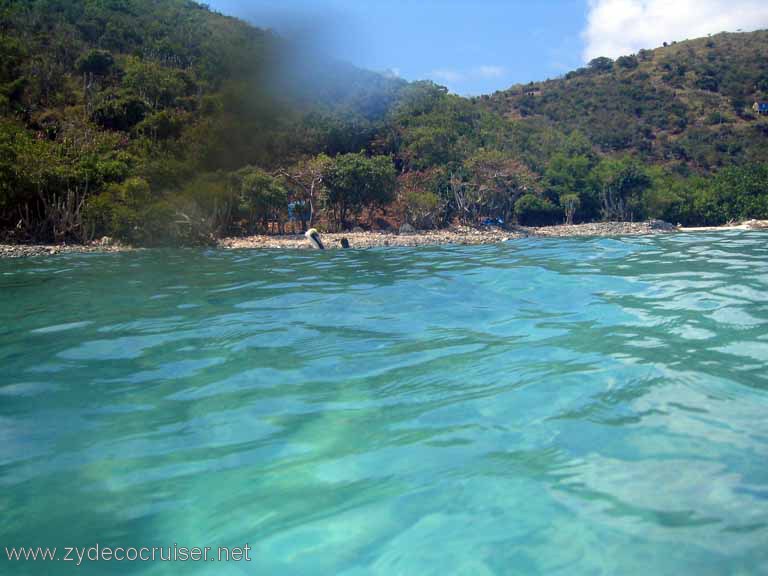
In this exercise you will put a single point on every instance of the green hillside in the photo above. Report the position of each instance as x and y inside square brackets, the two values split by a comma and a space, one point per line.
[113, 111]
[689, 103]
[159, 121]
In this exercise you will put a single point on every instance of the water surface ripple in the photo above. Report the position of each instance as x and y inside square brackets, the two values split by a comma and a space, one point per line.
[576, 406]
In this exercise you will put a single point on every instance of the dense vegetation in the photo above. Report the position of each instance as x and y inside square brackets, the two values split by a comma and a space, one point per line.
[158, 121]
[680, 116]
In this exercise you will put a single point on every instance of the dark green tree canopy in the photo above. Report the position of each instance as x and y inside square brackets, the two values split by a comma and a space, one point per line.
[98, 62]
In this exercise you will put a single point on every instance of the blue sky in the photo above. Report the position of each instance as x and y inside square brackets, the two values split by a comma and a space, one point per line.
[477, 47]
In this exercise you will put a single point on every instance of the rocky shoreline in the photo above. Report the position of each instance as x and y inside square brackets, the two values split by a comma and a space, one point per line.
[35, 250]
[460, 235]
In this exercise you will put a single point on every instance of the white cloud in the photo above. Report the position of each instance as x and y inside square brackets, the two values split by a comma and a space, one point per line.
[456, 76]
[446, 75]
[489, 71]
[620, 27]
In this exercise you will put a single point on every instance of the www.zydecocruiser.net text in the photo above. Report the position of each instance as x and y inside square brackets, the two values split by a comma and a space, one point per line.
[98, 553]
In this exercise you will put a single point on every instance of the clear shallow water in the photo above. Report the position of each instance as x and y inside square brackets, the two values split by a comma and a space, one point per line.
[542, 407]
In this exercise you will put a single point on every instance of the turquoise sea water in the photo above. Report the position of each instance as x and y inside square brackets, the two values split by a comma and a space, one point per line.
[539, 407]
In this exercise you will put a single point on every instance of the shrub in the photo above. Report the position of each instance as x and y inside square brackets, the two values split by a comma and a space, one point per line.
[645, 55]
[119, 112]
[601, 65]
[128, 212]
[262, 199]
[173, 221]
[421, 207]
[97, 62]
[532, 210]
[707, 82]
[424, 198]
[117, 212]
[717, 117]
[570, 204]
[355, 181]
[163, 125]
[622, 184]
[209, 198]
[628, 62]
[742, 193]
[158, 86]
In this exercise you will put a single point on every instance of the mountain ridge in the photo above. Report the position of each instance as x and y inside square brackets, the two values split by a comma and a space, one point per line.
[697, 83]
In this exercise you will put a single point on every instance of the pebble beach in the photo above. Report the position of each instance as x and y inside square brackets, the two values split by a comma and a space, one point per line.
[458, 235]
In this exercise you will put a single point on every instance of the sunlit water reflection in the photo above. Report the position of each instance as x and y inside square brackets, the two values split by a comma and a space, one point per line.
[544, 406]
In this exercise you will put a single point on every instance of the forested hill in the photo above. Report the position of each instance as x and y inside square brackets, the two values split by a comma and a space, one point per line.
[158, 67]
[157, 96]
[688, 102]
[160, 121]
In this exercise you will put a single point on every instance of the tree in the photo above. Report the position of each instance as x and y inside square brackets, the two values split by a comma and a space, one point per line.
[117, 212]
[96, 62]
[432, 128]
[570, 173]
[532, 210]
[263, 199]
[740, 193]
[628, 62]
[601, 65]
[306, 177]
[116, 111]
[207, 206]
[420, 199]
[428, 146]
[12, 80]
[16, 187]
[645, 55]
[495, 182]
[622, 185]
[157, 85]
[570, 204]
[573, 176]
[355, 181]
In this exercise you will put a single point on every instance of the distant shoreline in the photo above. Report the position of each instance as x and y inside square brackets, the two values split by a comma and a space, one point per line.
[465, 236]
[475, 236]
[457, 235]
